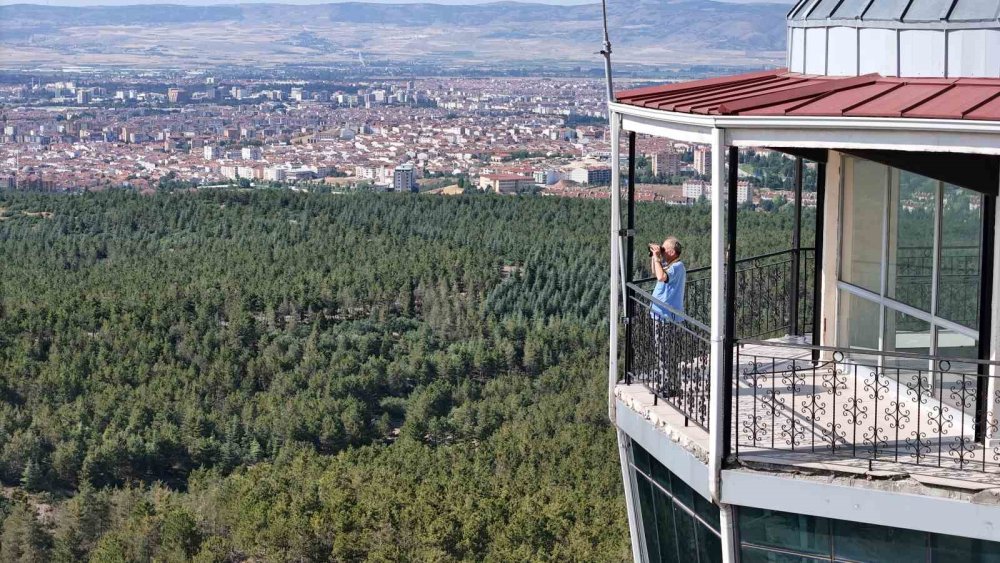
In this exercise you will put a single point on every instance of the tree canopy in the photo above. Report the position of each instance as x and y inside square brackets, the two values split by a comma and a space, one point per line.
[271, 375]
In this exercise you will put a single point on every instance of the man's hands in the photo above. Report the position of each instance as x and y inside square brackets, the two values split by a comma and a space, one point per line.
[655, 249]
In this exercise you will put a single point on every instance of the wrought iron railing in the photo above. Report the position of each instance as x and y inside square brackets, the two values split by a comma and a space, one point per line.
[764, 294]
[669, 353]
[958, 281]
[766, 297]
[878, 407]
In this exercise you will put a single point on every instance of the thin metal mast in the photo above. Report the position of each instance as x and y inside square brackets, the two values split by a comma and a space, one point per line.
[606, 52]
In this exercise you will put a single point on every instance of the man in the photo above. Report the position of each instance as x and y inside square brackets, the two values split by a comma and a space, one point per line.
[670, 277]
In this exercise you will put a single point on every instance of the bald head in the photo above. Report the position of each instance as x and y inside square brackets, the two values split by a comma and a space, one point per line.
[672, 247]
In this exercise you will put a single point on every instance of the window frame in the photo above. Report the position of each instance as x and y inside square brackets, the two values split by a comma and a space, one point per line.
[885, 303]
[700, 524]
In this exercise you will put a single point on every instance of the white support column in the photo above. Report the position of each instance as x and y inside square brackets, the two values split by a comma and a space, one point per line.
[718, 353]
[718, 313]
[633, 518]
[727, 525]
[831, 252]
[614, 269]
[993, 387]
[614, 265]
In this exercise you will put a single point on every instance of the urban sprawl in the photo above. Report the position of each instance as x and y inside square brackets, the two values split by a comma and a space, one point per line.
[438, 135]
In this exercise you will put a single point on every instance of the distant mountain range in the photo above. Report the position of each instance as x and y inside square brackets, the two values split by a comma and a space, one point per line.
[661, 32]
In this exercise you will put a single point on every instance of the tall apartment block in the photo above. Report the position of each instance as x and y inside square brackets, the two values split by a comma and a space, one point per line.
[703, 161]
[666, 163]
[404, 178]
[836, 400]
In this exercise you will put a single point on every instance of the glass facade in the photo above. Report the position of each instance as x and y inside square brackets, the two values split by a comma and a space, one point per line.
[770, 536]
[677, 523]
[911, 254]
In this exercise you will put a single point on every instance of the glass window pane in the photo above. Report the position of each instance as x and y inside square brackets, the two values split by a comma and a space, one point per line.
[806, 534]
[687, 541]
[953, 549]
[665, 525]
[683, 493]
[961, 241]
[709, 546]
[911, 238]
[640, 458]
[859, 322]
[955, 380]
[648, 512]
[864, 211]
[751, 555]
[951, 344]
[707, 511]
[906, 334]
[660, 474]
[866, 542]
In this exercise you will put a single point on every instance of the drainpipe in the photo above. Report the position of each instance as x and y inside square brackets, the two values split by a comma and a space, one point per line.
[718, 312]
[615, 282]
[793, 294]
[721, 326]
[614, 266]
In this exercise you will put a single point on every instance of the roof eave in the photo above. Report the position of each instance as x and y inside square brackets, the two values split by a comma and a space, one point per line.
[832, 132]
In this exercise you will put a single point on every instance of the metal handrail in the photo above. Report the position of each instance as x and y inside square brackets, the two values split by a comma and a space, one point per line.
[866, 352]
[638, 290]
[681, 325]
[701, 269]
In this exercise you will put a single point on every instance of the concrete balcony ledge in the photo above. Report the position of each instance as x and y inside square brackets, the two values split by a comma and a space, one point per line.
[665, 418]
[905, 503]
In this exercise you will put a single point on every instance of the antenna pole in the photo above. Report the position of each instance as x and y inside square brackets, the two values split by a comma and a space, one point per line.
[606, 52]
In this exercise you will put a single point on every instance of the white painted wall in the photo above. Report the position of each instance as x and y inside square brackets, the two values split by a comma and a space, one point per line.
[816, 46]
[879, 51]
[797, 51]
[921, 52]
[849, 51]
[974, 52]
[842, 52]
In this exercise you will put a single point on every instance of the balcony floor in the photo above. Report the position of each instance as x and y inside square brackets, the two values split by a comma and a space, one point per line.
[845, 417]
[835, 417]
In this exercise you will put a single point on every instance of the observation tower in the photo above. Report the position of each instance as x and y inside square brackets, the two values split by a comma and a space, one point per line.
[838, 400]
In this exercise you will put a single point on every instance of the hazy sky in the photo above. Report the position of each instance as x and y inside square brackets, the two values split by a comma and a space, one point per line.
[210, 2]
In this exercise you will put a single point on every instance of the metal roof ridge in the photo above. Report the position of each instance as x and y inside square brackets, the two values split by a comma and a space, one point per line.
[808, 101]
[925, 99]
[721, 94]
[717, 100]
[810, 90]
[893, 87]
[682, 93]
[795, 8]
[980, 104]
[697, 84]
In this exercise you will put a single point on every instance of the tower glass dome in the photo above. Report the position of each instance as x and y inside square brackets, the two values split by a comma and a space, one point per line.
[909, 38]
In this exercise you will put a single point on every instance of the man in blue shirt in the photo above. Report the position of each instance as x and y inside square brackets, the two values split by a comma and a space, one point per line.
[670, 277]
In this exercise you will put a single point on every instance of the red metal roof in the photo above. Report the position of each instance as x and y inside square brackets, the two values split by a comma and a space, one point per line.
[779, 92]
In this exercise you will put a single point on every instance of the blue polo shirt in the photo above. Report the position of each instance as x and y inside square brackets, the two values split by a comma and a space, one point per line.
[670, 292]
